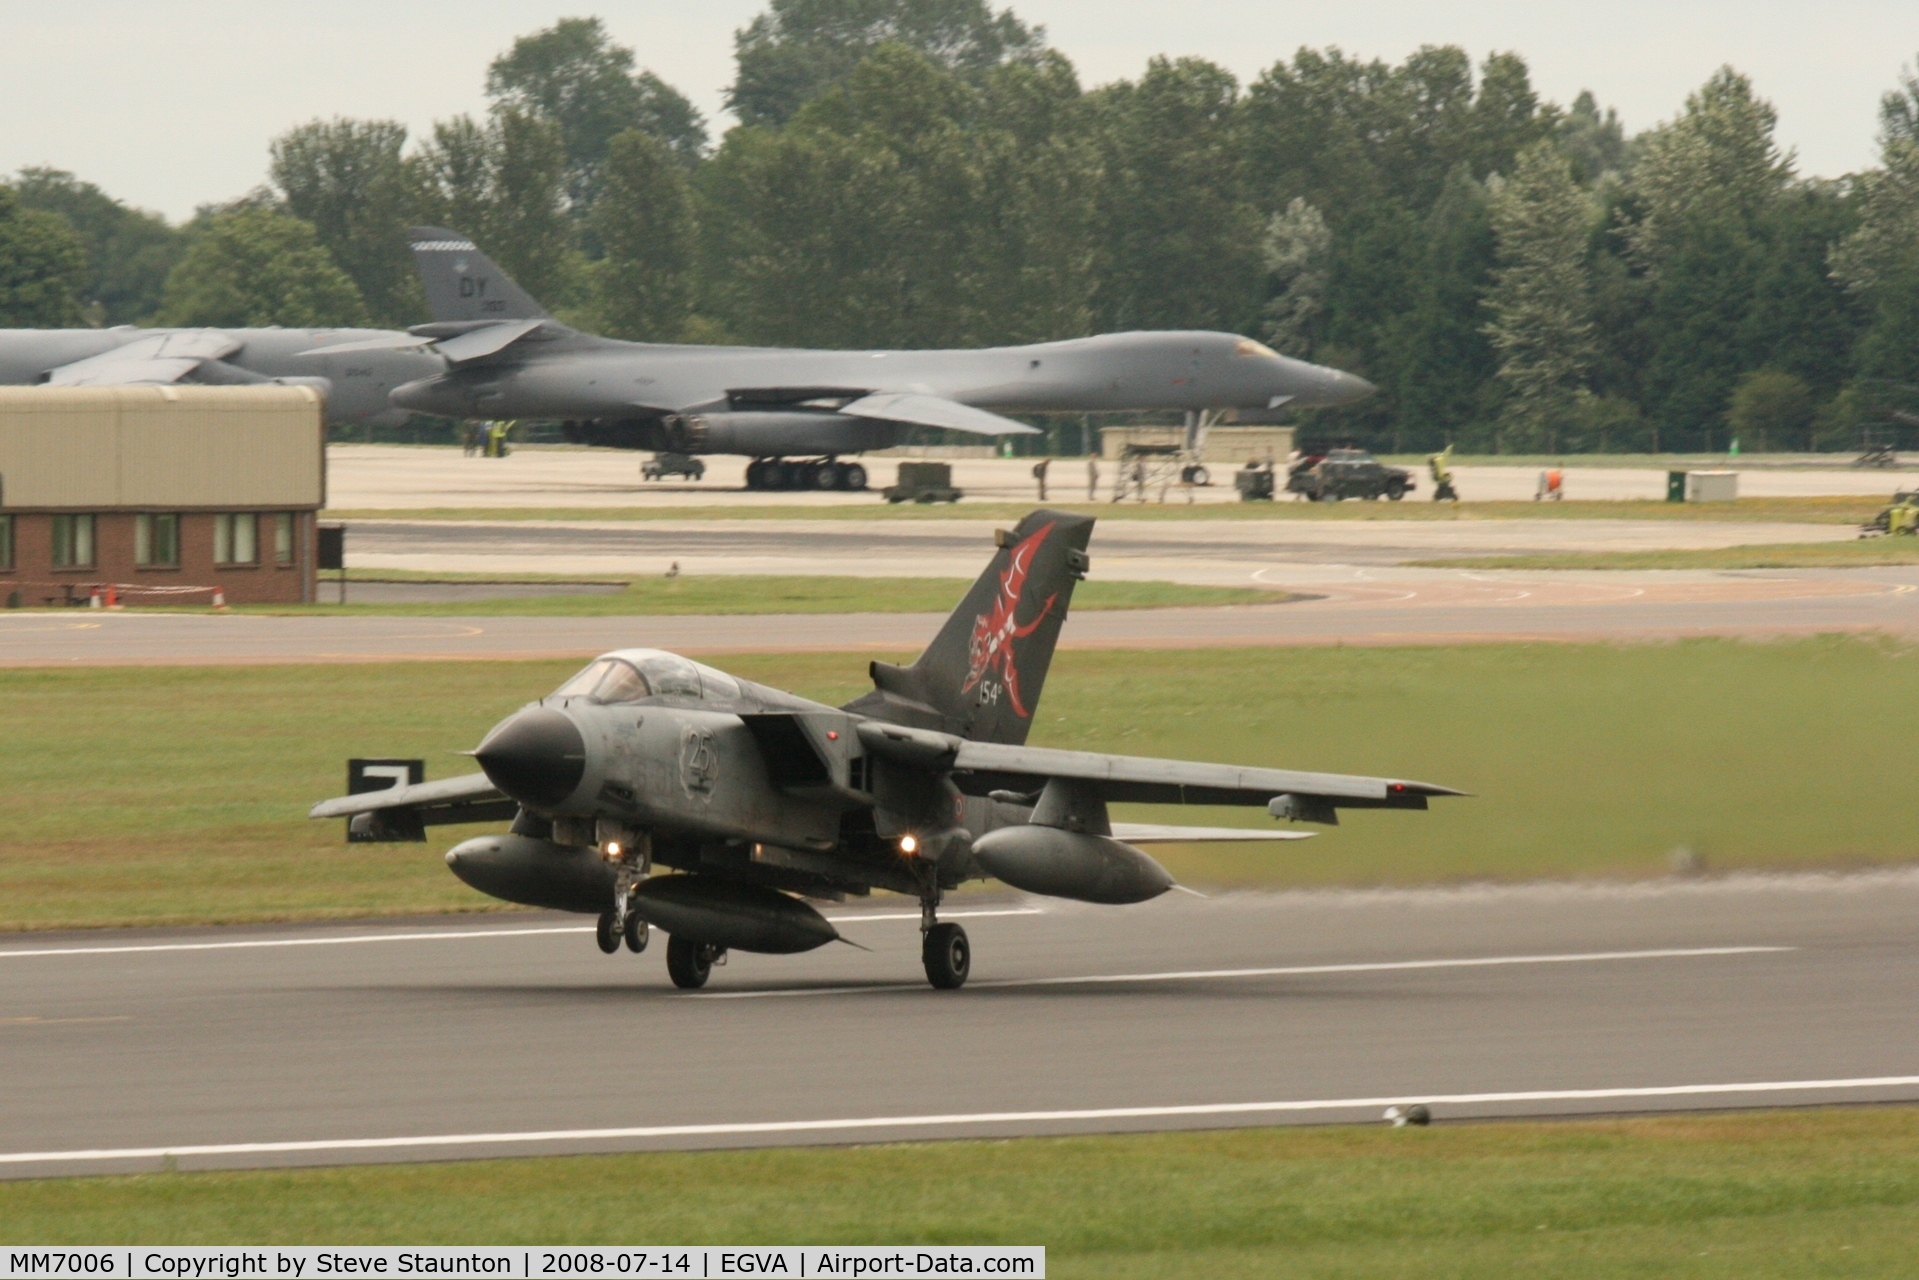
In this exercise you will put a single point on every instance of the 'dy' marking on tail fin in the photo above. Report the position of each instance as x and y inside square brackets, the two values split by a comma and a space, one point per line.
[462, 283]
[982, 675]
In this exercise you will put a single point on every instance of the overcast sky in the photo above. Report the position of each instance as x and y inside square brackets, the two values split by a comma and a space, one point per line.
[171, 105]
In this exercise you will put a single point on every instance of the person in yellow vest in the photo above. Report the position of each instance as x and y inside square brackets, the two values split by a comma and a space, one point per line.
[1440, 464]
[1904, 518]
[496, 439]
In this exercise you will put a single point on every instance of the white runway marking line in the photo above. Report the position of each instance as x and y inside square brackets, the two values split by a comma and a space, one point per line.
[978, 1118]
[448, 935]
[1382, 966]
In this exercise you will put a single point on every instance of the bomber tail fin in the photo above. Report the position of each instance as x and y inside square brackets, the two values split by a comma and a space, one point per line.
[462, 283]
[982, 675]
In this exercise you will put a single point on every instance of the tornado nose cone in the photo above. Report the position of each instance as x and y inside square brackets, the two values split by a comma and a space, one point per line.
[538, 757]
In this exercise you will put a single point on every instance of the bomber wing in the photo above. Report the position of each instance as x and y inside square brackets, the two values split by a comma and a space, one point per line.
[935, 411]
[1160, 833]
[162, 358]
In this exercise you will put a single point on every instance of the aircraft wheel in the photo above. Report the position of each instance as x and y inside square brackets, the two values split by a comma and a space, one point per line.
[852, 477]
[756, 474]
[1200, 476]
[782, 475]
[822, 475]
[608, 934]
[636, 932]
[688, 963]
[948, 956]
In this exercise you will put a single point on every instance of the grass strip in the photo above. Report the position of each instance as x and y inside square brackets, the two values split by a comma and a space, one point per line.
[774, 593]
[1822, 509]
[1812, 1193]
[1863, 553]
[192, 783]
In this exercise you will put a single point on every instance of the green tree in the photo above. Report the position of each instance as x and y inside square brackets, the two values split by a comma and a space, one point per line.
[1540, 302]
[1298, 249]
[1703, 187]
[1771, 409]
[251, 267]
[1595, 142]
[1879, 261]
[350, 181]
[43, 267]
[1181, 238]
[798, 49]
[645, 225]
[1438, 362]
[575, 77]
[503, 184]
[129, 251]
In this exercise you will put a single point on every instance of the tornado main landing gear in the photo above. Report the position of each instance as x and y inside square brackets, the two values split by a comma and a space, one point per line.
[690, 963]
[944, 950]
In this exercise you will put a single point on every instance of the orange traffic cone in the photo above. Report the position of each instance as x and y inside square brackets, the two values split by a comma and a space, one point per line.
[220, 600]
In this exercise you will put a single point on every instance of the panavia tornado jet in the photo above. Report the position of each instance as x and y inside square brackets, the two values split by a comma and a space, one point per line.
[355, 384]
[507, 358]
[756, 800]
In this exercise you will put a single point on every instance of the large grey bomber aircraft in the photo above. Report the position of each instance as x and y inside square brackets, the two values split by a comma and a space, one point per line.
[355, 384]
[508, 358]
[759, 799]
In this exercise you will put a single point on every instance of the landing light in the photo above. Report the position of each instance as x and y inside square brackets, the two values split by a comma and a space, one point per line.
[909, 845]
[613, 850]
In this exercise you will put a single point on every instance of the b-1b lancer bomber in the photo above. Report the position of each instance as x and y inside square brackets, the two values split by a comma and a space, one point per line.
[507, 358]
[759, 799]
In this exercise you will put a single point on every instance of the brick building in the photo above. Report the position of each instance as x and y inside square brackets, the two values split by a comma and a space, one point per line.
[159, 494]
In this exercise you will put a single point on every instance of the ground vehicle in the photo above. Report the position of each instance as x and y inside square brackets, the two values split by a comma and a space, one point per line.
[1255, 482]
[923, 482]
[672, 464]
[1347, 473]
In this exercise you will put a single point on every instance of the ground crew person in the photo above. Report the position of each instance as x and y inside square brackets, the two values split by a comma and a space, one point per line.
[496, 439]
[1904, 518]
[1039, 474]
[1441, 466]
[1092, 478]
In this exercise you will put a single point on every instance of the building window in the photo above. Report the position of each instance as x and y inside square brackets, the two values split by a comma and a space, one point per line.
[283, 538]
[156, 541]
[6, 542]
[73, 542]
[235, 538]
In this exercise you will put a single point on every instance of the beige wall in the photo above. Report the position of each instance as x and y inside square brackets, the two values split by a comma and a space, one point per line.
[174, 447]
[1223, 444]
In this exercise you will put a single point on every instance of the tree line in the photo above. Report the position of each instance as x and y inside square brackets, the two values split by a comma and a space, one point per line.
[1515, 275]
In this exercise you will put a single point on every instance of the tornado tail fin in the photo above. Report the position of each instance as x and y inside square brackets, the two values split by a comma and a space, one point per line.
[462, 283]
[981, 677]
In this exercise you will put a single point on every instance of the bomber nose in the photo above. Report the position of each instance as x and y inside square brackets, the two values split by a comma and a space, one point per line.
[538, 757]
[1345, 388]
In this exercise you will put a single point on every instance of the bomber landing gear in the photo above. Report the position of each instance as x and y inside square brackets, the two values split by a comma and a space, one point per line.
[691, 963]
[817, 473]
[944, 950]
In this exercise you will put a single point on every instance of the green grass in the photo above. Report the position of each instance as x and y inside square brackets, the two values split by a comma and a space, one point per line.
[178, 794]
[1860, 554]
[774, 593]
[1811, 1193]
[1826, 509]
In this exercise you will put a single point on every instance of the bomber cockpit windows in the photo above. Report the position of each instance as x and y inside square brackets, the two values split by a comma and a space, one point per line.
[1247, 347]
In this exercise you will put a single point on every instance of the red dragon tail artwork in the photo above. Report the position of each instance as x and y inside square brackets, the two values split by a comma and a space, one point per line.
[991, 650]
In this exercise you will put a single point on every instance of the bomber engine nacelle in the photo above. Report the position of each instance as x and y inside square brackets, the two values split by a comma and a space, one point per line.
[772, 433]
[741, 917]
[1070, 864]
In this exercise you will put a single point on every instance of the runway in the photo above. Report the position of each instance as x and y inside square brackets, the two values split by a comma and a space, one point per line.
[1348, 606]
[514, 1035]
[1207, 552]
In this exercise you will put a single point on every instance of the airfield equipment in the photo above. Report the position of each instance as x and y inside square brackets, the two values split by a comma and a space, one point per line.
[661, 465]
[1347, 473]
[759, 799]
[923, 482]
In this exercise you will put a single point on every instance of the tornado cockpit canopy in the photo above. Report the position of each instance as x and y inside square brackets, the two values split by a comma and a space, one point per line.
[632, 674]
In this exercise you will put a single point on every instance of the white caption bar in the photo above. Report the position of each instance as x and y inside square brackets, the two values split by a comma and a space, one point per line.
[668, 1262]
